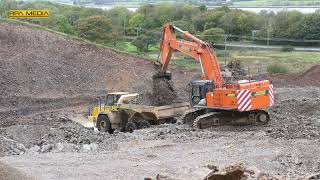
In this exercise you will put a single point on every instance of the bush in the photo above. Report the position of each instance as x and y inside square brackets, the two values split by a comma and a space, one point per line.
[277, 68]
[287, 49]
[213, 35]
[95, 28]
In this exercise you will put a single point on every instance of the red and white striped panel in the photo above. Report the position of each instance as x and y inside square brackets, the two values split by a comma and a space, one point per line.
[244, 100]
[271, 95]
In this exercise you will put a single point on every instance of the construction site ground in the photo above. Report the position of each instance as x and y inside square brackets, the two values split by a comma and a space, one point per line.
[48, 81]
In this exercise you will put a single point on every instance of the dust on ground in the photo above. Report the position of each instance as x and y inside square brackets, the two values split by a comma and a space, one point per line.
[9, 173]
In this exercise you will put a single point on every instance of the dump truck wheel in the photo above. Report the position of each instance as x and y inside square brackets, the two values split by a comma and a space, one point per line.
[144, 124]
[130, 127]
[104, 124]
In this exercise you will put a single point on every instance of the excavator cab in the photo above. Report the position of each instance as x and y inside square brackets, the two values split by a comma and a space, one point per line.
[199, 89]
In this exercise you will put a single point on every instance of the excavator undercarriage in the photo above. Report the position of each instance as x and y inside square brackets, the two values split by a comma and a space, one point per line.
[206, 118]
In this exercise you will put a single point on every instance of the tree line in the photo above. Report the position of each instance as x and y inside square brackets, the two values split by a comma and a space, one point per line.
[143, 27]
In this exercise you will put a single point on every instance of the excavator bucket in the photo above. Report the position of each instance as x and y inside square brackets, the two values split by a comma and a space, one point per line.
[160, 74]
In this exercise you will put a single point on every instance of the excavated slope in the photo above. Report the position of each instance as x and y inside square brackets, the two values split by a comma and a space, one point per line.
[38, 63]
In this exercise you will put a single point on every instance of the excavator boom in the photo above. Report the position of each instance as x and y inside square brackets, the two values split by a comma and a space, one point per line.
[197, 49]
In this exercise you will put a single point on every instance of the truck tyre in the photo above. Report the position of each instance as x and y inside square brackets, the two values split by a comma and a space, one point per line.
[144, 124]
[130, 127]
[104, 124]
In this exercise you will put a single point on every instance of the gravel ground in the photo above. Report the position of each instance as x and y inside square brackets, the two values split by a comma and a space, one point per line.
[287, 146]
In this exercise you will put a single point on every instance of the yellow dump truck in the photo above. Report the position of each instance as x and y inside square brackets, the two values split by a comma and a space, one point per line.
[116, 112]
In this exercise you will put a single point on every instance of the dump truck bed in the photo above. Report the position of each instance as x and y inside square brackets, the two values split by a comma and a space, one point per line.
[157, 112]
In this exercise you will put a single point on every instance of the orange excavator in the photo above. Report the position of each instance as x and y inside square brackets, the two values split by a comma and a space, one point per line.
[214, 101]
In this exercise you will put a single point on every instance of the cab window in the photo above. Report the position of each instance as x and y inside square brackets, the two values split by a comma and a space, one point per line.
[110, 100]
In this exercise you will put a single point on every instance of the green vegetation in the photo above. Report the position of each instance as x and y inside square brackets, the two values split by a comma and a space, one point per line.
[196, 2]
[268, 61]
[142, 28]
[277, 68]
[294, 61]
[275, 3]
[96, 28]
[212, 35]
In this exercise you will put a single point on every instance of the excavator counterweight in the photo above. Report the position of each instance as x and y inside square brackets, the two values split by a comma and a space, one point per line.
[214, 101]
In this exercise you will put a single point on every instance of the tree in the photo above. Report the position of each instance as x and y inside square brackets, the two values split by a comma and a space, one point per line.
[72, 13]
[157, 15]
[184, 25]
[208, 19]
[136, 20]
[143, 41]
[95, 28]
[86, 12]
[59, 23]
[119, 17]
[307, 28]
[203, 8]
[213, 35]
[238, 22]
[6, 5]
[283, 21]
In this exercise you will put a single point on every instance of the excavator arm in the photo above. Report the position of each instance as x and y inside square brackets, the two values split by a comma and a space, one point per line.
[196, 48]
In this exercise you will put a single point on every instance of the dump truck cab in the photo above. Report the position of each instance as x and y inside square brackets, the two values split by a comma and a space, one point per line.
[109, 103]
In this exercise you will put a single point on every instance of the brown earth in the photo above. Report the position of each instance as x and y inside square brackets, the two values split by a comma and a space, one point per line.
[42, 64]
[310, 77]
[41, 70]
[47, 80]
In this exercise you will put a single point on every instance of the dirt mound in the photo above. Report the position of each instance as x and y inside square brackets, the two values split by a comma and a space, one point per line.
[313, 72]
[163, 92]
[41, 70]
[53, 133]
[295, 119]
[43, 64]
[310, 77]
[239, 171]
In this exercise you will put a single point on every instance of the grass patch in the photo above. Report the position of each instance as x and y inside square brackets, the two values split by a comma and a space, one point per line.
[295, 61]
[277, 68]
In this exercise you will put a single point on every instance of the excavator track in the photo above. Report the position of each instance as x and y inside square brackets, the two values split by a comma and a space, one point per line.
[189, 116]
[213, 119]
[206, 121]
